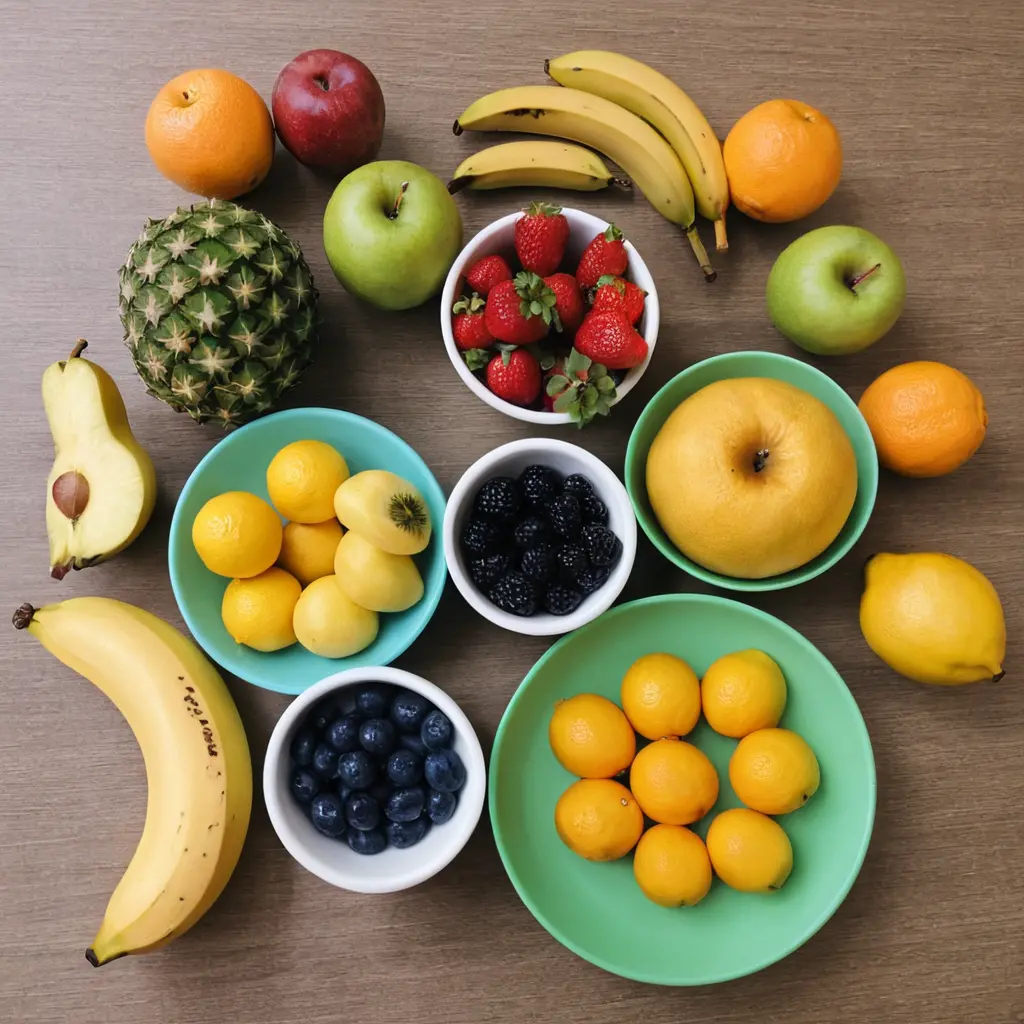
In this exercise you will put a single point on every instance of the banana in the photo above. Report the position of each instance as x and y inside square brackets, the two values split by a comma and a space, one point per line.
[605, 126]
[657, 99]
[537, 163]
[197, 764]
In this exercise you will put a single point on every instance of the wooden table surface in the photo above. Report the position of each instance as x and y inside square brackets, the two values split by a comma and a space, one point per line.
[927, 95]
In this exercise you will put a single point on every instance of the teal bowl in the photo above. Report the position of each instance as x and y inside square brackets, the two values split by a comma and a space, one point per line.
[239, 463]
[753, 364]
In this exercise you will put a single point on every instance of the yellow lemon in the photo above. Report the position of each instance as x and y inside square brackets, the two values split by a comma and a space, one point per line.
[302, 478]
[307, 549]
[774, 771]
[673, 782]
[237, 534]
[661, 696]
[598, 819]
[749, 851]
[742, 692]
[672, 867]
[329, 624]
[591, 737]
[258, 611]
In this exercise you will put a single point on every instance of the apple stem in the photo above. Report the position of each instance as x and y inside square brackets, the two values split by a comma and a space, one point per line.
[80, 346]
[760, 459]
[322, 82]
[860, 277]
[393, 215]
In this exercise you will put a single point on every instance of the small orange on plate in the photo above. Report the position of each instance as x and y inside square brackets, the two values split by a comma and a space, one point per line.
[591, 737]
[674, 782]
[598, 819]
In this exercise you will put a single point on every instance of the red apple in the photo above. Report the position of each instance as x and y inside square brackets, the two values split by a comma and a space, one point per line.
[329, 111]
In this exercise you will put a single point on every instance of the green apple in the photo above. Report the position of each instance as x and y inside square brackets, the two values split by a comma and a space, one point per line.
[836, 290]
[391, 232]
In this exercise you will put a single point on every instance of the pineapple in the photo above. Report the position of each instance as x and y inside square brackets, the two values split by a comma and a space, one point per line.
[219, 311]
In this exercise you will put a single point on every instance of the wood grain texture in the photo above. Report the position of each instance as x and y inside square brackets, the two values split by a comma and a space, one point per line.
[927, 95]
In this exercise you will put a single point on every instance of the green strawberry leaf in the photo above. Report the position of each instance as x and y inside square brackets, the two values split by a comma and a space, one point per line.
[556, 384]
[597, 372]
[612, 234]
[605, 385]
[477, 358]
[469, 305]
[615, 282]
[546, 358]
[565, 401]
[577, 363]
[539, 209]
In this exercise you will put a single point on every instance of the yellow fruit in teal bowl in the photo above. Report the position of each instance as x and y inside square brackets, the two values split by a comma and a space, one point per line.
[742, 692]
[749, 851]
[308, 549]
[330, 624]
[661, 696]
[386, 509]
[258, 611]
[302, 479]
[672, 867]
[774, 771]
[237, 534]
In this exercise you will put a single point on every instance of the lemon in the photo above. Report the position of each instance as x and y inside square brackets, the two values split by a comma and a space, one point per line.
[591, 737]
[673, 782]
[237, 534]
[327, 623]
[598, 819]
[307, 549]
[672, 867]
[302, 478]
[933, 618]
[774, 771]
[661, 696]
[258, 611]
[749, 851]
[742, 692]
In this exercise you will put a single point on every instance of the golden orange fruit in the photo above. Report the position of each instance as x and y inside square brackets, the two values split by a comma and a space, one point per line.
[742, 692]
[661, 696]
[598, 819]
[774, 771]
[673, 782]
[672, 867]
[749, 851]
[591, 737]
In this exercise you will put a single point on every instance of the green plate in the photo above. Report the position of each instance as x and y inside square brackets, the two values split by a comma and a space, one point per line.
[597, 910]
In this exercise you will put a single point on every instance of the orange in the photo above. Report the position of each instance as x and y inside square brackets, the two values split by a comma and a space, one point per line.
[672, 867]
[591, 737]
[749, 851]
[742, 692]
[598, 819]
[661, 696]
[774, 771]
[926, 418]
[783, 159]
[210, 132]
[673, 782]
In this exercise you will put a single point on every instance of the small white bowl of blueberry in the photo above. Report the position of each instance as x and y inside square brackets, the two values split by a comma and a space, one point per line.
[374, 779]
[539, 536]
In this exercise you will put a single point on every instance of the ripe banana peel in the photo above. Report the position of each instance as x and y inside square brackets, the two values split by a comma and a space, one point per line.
[197, 764]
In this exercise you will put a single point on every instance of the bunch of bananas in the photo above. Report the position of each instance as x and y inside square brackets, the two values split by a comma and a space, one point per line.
[623, 109]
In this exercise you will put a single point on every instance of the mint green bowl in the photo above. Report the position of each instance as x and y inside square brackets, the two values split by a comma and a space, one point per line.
[597, 910]
[753, 364]
[239, 463]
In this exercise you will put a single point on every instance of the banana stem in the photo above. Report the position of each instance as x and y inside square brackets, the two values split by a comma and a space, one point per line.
[701, 253]
[22, 618]
[721, 241]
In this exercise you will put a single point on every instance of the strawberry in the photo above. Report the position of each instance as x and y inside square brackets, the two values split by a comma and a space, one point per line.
[541, 235]
[617, 295]
[580, 387]
[468, 324]
[568, 302]
[486, 273]
[610, 339]
[514, 376]
[606, 254]
[520, 311]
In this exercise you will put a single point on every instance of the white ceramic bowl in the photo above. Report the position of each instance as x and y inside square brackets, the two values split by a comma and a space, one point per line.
[498, 238]
[331, 859]
[510, 460]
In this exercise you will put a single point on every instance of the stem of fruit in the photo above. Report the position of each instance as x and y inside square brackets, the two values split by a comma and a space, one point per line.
[760, 459]
[23, 616]
[860, 277]
[80, 346]
[721, 241]
[624, 183]
[701, 253]
[393, 215]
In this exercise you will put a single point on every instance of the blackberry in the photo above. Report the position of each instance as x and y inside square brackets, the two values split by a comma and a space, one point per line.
[531, 531]
[539, 484]
[482, 537]
[592, 579]
[564, 516]
[571, 560]
[499, 499]
[594, 509]
[603, 547]
[577, 485]
[489, 569]
[559, 600]
[514, 594]
[539, 563]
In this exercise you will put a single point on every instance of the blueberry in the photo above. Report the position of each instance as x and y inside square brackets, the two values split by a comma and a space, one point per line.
[515, 594]
[408, 710]
[539, 484]
[406, 804]
[372, 701]
[530, 532]
[487, 570]
[343, 734]
[367, 843]
[571, 560]
[405, 768]
[323, 714]
[362, 812]
[592, 579]
[578, 485]
[344, 791]
[303, 746]
[594, 510]
[377, 736]
[560, 600]
[436, 730]
[444, 770]
[482, 537]
[441, 806]
[381, 790]
[498, 499]
[357, 769]
[565, 516]
[325, 760]
[413, 743]
[539, 563]
[305, 785]
[603, 547]
[328, 815]
[403, 834]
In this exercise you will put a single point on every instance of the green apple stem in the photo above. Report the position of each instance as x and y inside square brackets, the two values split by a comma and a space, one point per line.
[80, 346]
[393, 215]
[701, 253]
[860, 277]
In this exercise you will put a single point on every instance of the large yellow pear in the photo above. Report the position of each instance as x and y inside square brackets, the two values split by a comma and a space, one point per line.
[751, 477]
[387, 510]
[328, 623]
